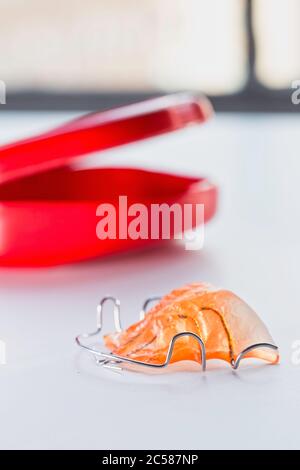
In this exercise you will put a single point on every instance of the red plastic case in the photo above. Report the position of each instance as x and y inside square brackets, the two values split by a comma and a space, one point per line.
[48, 209]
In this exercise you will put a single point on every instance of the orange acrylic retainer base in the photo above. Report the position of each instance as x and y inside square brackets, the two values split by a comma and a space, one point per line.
[227, 326]
[193, 323]
[48, 208]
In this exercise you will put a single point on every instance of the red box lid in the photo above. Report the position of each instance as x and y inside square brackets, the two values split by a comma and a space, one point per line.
[99, 131]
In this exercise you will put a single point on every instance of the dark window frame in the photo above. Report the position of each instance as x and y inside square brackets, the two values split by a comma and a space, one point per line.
[254, 97]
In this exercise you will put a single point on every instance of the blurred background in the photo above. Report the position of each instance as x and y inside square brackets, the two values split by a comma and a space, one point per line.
[60, 58]
[98, 53]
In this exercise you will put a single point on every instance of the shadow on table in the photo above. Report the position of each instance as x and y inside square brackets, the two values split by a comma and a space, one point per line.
[170, 262]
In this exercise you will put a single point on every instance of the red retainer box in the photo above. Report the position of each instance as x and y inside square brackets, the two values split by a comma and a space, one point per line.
[48, 208]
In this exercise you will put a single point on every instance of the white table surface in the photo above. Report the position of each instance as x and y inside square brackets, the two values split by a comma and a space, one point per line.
[53, 397]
